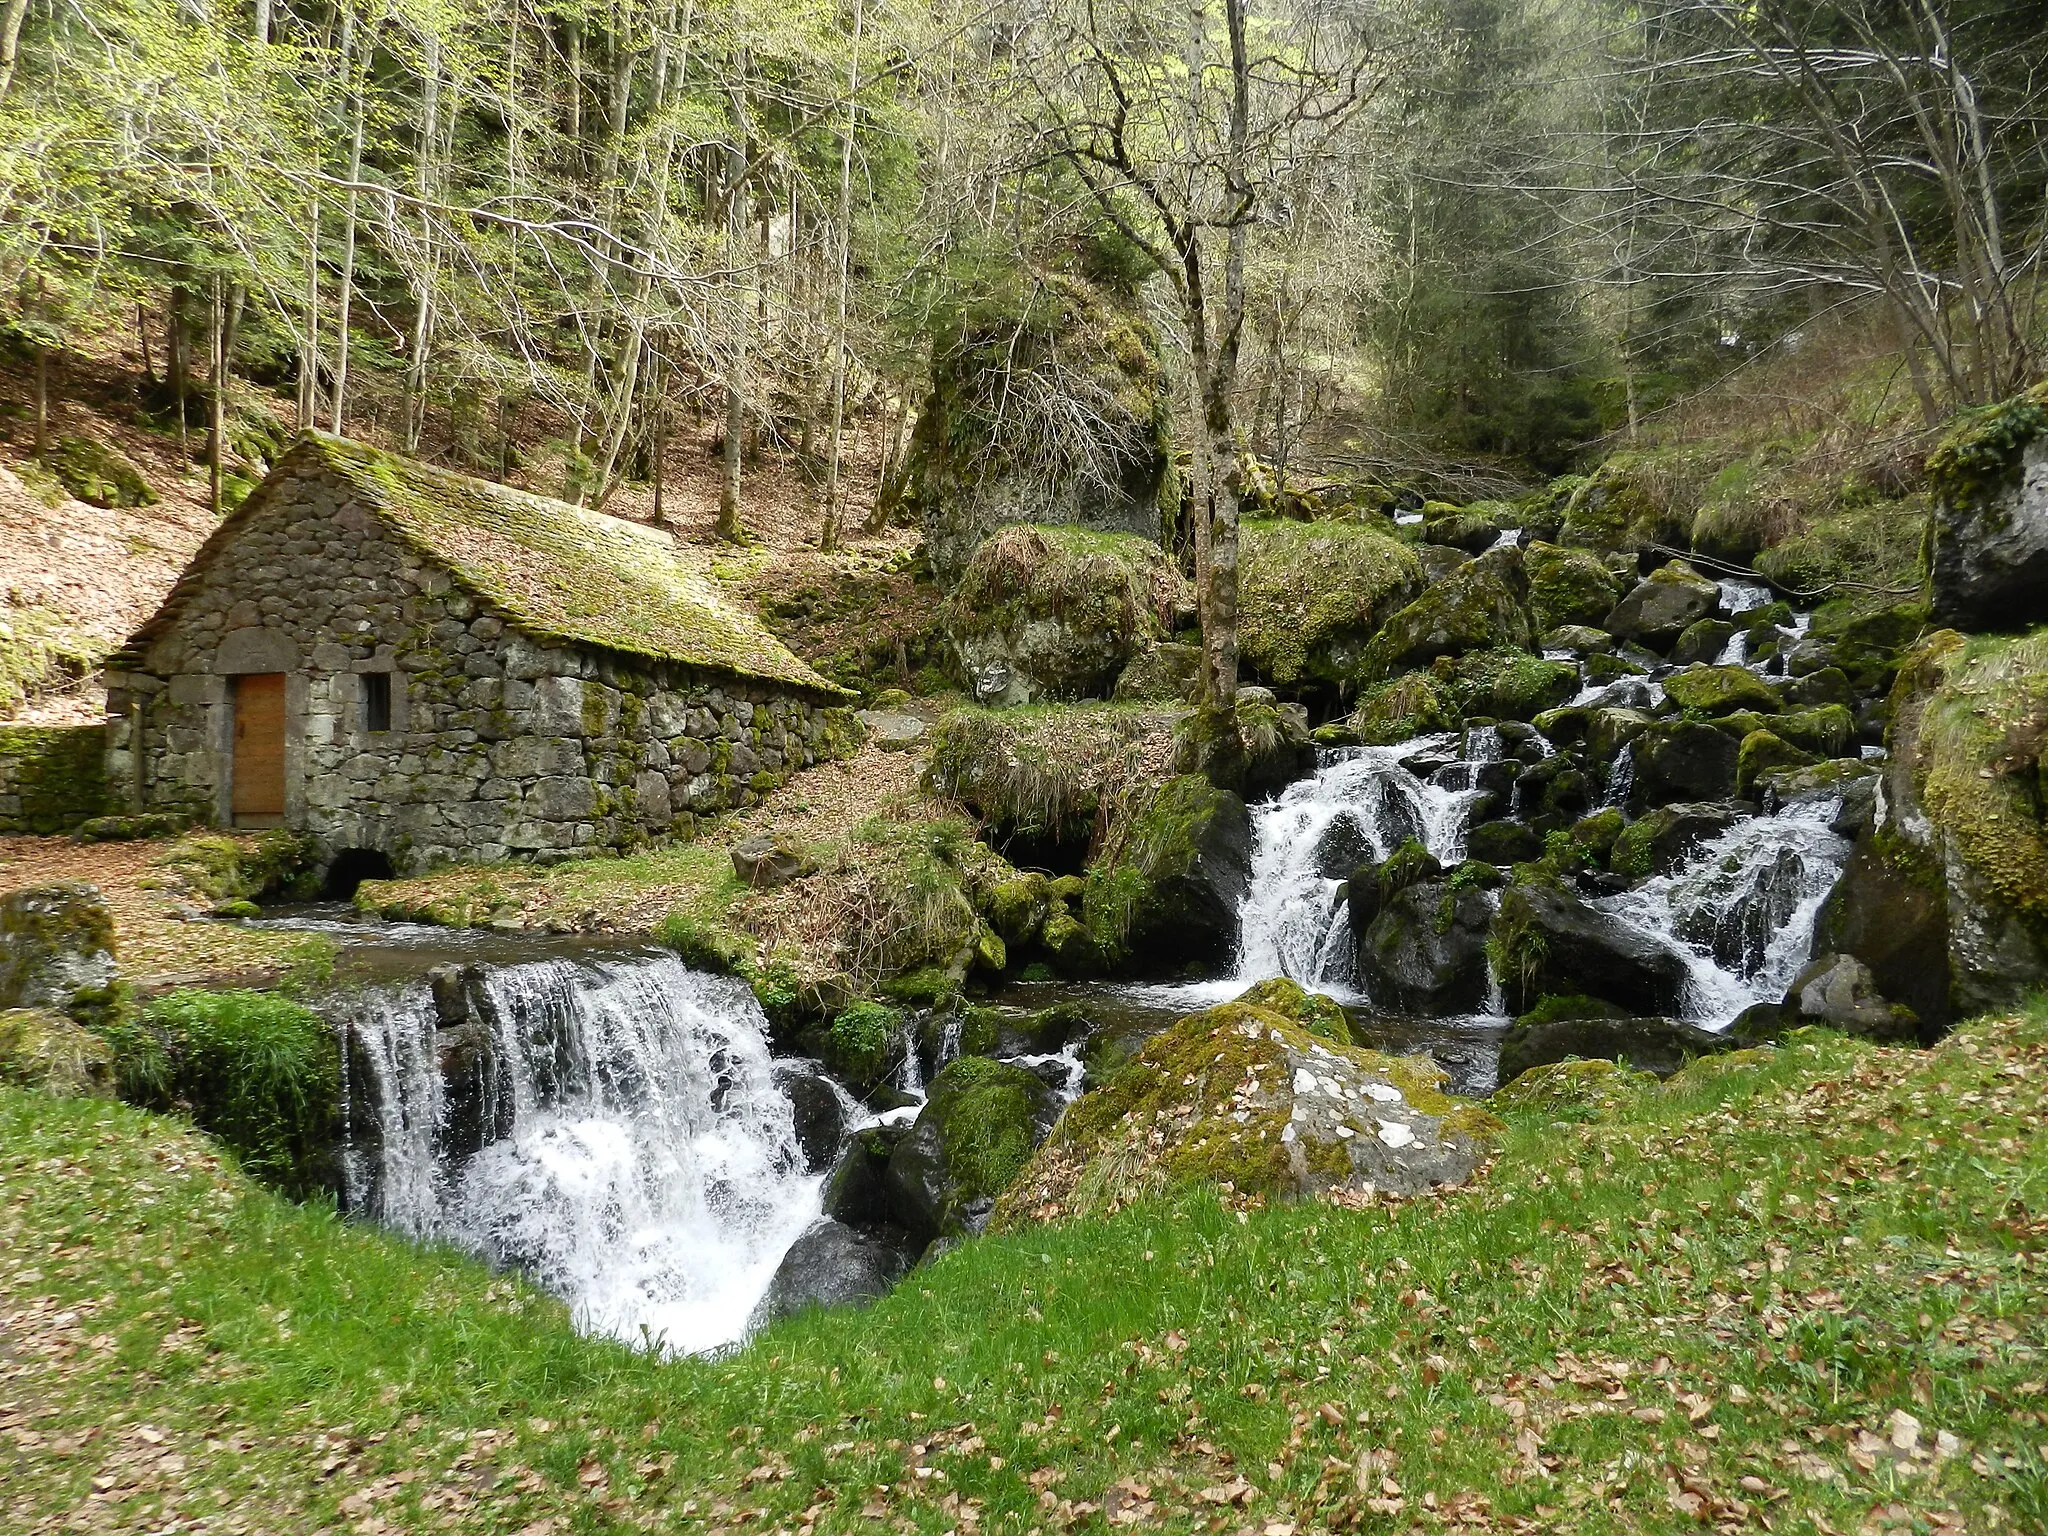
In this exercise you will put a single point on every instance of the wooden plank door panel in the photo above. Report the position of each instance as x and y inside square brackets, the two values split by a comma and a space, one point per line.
[259, 744]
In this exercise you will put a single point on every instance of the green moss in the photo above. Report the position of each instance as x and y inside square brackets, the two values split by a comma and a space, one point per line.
[1721, 691]
[1056, 771]
[99, 474]
[986, 1108]
[225, 869]
[57, 772]
[1576, 1090]
[1764, 752]
[1311, 596]
[1477, 607]
[1568, 586]
[1982, 456]
[864, 1037]
[48, 1051]
[259, 1071]
[1513, 685]
[1321, 1016]
[1413, 704]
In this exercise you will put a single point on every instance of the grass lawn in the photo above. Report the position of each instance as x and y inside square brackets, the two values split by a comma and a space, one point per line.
[1805, 1292]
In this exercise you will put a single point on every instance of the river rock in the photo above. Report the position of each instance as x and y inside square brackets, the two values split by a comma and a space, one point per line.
[1166, 673]
[1179, 873]
[1660, 840]
[1477, 607]
[56, 941]
[835, 1265]
[1663, 605]
[1823, 685]
[894, 731]
[1504, 842]
[43, 1049]
[1256, 748]
[1990, 566]
[818, 1109]
[1721, 691]
[1425, 950]
[1462, 528]
[1552, 943]
[1840, 992]
[1893, 918]
[1244, 1098]
[1702, 642]
[1569, 590]
[856, 1191]
[764, 862]
[1656, 1045]
[1682, 760]
[974, 1135]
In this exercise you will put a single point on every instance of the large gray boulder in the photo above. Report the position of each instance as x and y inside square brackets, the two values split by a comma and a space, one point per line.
[1657, 1045]
[1840, 992]
[1990, 567]
[1663, 606]
[1896, 924]
[56, 941]
[835, 1265]
[1554, 944]
[1425, 949]
[1477, 607]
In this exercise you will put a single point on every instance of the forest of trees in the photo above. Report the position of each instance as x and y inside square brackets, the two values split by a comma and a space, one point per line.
[542, 232]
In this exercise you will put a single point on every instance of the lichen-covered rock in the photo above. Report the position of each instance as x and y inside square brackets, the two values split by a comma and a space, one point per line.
[1721, 691]
[1840, 992]
[1659, 1046]
[1058, 612]
[981, 458]
[1464, 528]
[1321, 1015]
[56, 941]
[765, 861]
[1546, 941]
[1660, 840]
[970, 1141]
[1312, 595]
[1255, 749]
[1413, 704]
[41, 1048]
[1244, 1098]
[1663, 606]
[99, 474]
[1513, 685]
[1477, 607]
[1568, 587]
[1990, 475]
[1167, 887]
[1701, 643]
[1620, 507]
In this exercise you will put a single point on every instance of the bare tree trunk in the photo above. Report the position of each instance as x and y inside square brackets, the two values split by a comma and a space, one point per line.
[425, 180]
[309, 344]
[829, 536]
[216, 451]
[179, 363]
[12, 13]
[142, 331]
[346, 301]
[735, 389]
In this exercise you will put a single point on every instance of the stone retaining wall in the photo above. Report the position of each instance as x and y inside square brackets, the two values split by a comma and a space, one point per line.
[500, 745]
[51, 777]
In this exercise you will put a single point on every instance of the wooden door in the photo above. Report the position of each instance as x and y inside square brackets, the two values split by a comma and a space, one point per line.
[259, 745]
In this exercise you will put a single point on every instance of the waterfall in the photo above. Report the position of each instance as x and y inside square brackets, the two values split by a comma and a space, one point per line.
[613, 1128]
[1358, 808]
[1740, 911]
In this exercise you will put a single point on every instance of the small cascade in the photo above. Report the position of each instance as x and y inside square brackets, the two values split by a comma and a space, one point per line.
[949, 1040]
[1358, 808]
[1742, 908]
[612, 1127]
[1621, 777]
[910, 1076]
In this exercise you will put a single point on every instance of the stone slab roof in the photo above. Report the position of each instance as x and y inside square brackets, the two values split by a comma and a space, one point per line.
[556, 571]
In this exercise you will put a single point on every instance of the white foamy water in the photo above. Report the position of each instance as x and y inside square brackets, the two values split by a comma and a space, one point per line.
[638, 1157]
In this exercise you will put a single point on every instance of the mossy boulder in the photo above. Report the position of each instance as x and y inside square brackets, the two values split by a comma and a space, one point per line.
[1017, 908]
[1167, 886]
[1621, 506]
[1682, 760]
[41, 1048]
[1245, 1099]
[980, 457]
[1840, 992]
[1413, 704]
[1311, 596]
[1990, 536]
[1425, 949]
[1255, 748]
[1890, 910]
[56, 941]
[1721, 691]
[1477, 607]
[1465, 528]
[1575, 1090]
[1660, 1046]
[1317, 1013]
[974, 1135]
[1568, 587]
[1663, 605]
[1701, 643]
[1546, 941]
[1519, 686]
[1166, 673]
[1058, 612]
[99, 474]
[1662, 839]
[1764, 752]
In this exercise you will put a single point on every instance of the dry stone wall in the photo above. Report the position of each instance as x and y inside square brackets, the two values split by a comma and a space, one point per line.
[500, 745]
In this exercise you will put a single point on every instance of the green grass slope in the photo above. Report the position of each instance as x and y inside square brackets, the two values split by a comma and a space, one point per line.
[1801, 1291]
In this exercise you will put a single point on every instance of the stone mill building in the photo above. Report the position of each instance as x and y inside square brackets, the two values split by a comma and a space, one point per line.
[413, 666]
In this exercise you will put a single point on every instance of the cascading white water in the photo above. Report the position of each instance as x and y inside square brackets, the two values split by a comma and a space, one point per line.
[648, 1169]
[1358, 808]
[1740, 911]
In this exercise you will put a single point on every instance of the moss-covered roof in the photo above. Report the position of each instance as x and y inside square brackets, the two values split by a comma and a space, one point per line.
[555, 571]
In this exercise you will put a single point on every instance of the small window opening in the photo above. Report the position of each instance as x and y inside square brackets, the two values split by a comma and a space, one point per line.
[376, 701]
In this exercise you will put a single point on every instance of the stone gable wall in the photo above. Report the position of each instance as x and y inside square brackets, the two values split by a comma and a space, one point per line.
[502, 746]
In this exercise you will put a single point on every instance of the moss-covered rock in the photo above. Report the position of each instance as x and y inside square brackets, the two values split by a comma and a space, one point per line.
[1256, 748]
[1477, 607]
[1682, 760]
[973, 1137]
[1413, 704]
[1577, 1090]
[1425, 948]
[1245, 1099]
[1319, 1015]
[1548, 942]
[1058, 612]
[1514, 685]
[1166, 673]
[982, 457]
[1622, 506]
[1663, 606]
[1568, 587]
[1465, 528]
[1656, 1045]
[1312, 595]
[1167, 886]
[1660, 840]
[1701, 643]
[56, 941]
[1990, 534]
[1761, 753]
[41, 1048]
[99, 474]
[1721, 691]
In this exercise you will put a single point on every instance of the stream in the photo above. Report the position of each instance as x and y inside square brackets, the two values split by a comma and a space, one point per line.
[615, 1124]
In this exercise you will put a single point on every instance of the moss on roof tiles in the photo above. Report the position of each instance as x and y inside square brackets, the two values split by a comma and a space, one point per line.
[565, 572]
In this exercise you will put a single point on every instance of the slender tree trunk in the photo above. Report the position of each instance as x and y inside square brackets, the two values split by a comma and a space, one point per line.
[309, 343]
[12, 13]
[346, 301]
[180, 365]
[261, 30]
[735, 390]
[829, 536]
[216, 452]
[142, 331]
